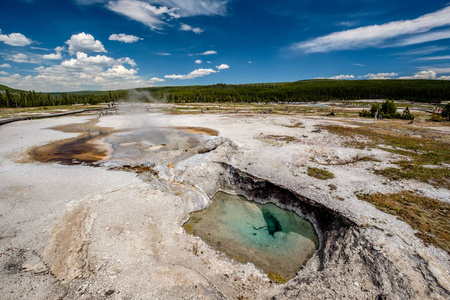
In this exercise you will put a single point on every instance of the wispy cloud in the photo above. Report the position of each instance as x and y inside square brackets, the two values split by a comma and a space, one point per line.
[347, 24]
[442, 57]
[424, 38]
[358, 65]
[143, 12]
[156, 13]
[424, 51]
[190, 8]
[209, 52]
[164, 54]
[186, 27]
[124, 38]
[14, 39]
[21, 58]
[409, 32]
[5, 66]
[87, 2]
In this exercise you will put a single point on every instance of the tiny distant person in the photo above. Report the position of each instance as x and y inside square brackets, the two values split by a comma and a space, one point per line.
[111, 104]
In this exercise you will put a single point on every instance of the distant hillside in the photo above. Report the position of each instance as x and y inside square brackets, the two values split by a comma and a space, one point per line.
[309, 90]
[4, 88]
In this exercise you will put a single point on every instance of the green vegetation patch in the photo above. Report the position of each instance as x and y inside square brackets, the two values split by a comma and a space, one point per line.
[321, 174]
[386, 110]
[429, 216]
[419, 151]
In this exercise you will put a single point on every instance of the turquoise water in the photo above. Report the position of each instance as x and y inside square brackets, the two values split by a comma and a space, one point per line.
[275, 240]
[319, 105]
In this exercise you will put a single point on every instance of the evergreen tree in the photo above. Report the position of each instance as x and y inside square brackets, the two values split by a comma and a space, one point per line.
[446, 112]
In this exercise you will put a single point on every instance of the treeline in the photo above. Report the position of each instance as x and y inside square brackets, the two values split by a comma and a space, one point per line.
[16, 98]
[431, 91]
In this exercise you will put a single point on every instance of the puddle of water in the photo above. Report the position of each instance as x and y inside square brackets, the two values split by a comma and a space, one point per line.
[319, 105]
[275, 240]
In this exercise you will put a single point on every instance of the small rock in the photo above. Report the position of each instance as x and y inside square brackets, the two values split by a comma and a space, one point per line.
[33, 263]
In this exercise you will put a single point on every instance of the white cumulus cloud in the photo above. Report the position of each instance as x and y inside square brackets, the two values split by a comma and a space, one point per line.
[380, 75]
[116, 72]
[99, 60]
[198, 61]
[379, 35]
[14, 39]
[429, 74]
[223, 67]
[156, 79]
[5, 66]
[186, 27]
[3, 73]
[54, 56]
[98, 72]
[84, 42]
[124, 38]
[340, 77]
[192, 75]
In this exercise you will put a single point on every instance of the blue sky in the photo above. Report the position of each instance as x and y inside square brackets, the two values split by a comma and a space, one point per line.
[69, 45]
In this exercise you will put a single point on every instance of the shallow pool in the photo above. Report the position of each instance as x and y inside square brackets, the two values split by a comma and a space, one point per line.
[275, 240]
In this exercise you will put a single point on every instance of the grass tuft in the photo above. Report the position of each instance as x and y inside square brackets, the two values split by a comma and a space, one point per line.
[320, 173]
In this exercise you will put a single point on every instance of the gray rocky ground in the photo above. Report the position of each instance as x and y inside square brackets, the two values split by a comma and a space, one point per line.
[83, 232]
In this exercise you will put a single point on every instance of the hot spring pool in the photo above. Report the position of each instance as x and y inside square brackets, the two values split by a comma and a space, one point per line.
[275, 240]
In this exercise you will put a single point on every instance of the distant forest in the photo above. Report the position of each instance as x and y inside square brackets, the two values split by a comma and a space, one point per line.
[429, 91]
